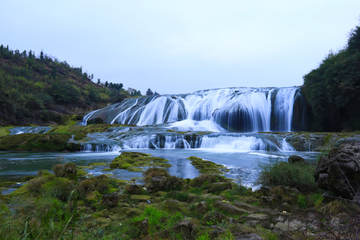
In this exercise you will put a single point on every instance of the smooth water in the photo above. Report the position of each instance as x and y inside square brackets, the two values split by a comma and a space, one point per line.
[241, 164]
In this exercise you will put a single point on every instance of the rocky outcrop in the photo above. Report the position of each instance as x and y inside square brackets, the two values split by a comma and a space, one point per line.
[339, 171]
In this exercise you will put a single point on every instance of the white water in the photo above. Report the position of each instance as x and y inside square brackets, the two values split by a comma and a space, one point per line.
[220, 110]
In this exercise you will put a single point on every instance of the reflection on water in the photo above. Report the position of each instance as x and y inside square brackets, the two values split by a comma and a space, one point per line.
[242, 164]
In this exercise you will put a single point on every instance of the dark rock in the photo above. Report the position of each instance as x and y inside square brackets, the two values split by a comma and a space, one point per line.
[134, 189]
[263, 191]
[248, 207]
[201, 207]
[216, 231]
[214, 217]
[141, 227]
[261, 219]
[269, 202]
[251, 236]
[186, 228]
[229, 208]
[339, 171]
[219, 187]
[296, 159]
[110, 200]
[284, 207]
[174, 206]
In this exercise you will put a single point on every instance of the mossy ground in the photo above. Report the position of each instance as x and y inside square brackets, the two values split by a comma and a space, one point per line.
[4, 131]
[74, 207]
[57, 139]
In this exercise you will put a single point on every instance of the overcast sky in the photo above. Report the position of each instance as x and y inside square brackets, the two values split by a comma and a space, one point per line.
[180, 46]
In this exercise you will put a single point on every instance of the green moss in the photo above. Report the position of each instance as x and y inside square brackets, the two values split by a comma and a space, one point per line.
[4, 131]
[135, 161]
[207, 166]
[31, 142]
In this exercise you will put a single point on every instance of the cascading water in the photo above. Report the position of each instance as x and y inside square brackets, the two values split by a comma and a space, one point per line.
[228, 109]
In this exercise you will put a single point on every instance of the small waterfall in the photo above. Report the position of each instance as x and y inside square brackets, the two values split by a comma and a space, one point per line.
[21, 130]
[238, 143]
[221, 110]
[99, 147]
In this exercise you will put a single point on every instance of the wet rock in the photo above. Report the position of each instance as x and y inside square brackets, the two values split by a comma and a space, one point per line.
[186, 228]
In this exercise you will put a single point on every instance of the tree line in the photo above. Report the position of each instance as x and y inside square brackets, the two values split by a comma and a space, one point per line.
[333, 89]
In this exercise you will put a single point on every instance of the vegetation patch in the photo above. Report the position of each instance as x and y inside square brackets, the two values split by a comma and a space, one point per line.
[207, 166]
[136, 161]
[31, 142]
[300, 176]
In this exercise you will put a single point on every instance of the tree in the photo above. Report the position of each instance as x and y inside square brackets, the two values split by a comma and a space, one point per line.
[149, 92]
[98, 81]
[42, 55]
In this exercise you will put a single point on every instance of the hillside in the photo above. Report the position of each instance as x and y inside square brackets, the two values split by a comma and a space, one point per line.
[333, 89]
[41, 90]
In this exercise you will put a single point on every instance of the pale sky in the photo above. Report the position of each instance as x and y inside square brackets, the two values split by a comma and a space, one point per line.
[180, 46]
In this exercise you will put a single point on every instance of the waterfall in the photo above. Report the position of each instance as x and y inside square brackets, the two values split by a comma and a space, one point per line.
[284, 104]
[238, 143]
[220, 110]
[99, 147]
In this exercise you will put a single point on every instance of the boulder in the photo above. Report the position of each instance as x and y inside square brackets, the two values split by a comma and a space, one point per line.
[110, 200]
[134, 189]
[186, 228]
[216, 231]
[214, 217]
[339, 171]
[201, 207]
[229, 208]
[261, 219]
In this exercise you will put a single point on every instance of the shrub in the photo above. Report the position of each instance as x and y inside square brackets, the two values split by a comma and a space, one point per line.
[300, 176]
[68, 170]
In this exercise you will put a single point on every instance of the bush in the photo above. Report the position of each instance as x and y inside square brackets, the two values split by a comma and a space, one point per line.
[300, 176]
[68, 170]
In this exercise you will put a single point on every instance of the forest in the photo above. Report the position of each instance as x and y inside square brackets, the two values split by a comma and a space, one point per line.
[42, 90]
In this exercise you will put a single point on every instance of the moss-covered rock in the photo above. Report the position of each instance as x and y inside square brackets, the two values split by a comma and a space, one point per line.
[68, 170]
[159, 179]
[207, 166]
[135, 161]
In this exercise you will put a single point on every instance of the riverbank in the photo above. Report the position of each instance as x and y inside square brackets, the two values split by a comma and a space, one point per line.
[73, 204]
